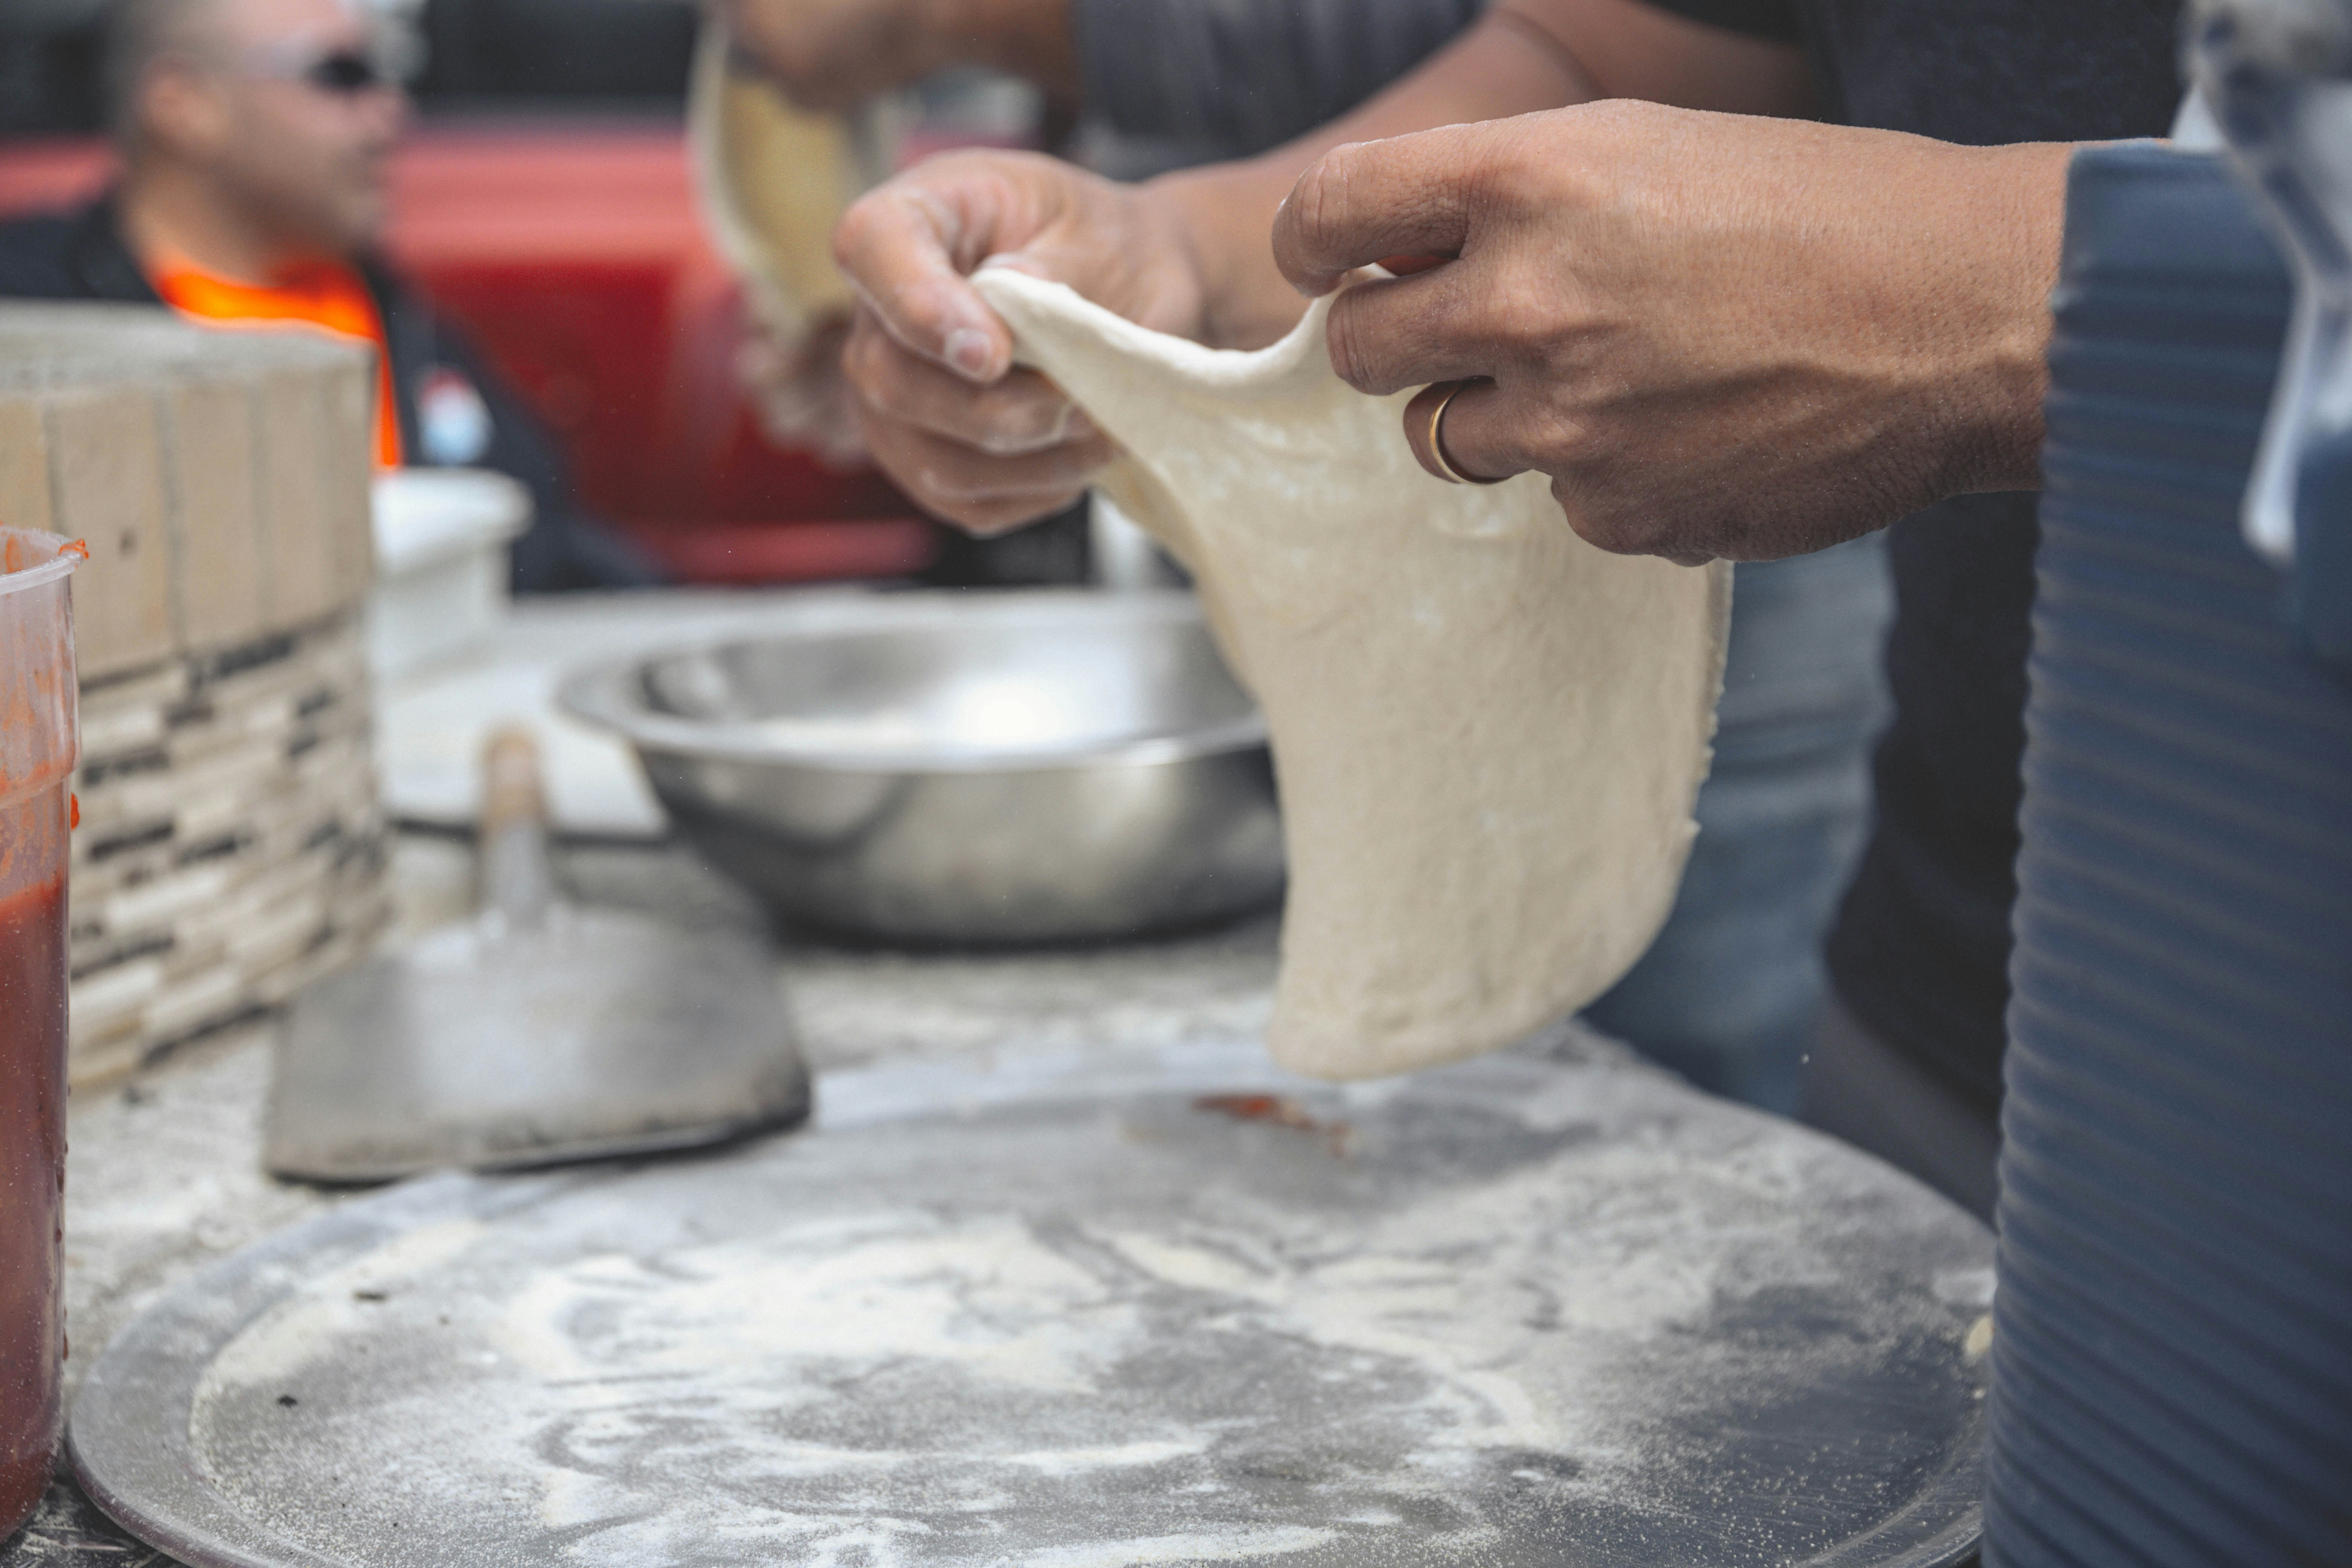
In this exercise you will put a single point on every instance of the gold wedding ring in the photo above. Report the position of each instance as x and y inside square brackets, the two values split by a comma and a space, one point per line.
[1425, 432]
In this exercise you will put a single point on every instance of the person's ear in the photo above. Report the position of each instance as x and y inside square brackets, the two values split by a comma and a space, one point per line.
[183, 109]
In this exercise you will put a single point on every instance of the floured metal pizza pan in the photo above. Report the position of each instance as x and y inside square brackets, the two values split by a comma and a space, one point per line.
[1516, 1312]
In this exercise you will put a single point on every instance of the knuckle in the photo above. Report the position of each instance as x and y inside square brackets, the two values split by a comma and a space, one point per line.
[1629, 118]
[981, 485]
[992, 523]
[991, 515]
[1518, 174]
[944, 489]
[1319, 204]
[887, 445]
[868, 364]
[1517, 302]
[1339, 339]
[1559, 440]
[1601, 525]
[1018, 417]
[1013, 435]
[1351, 358]
[1506, 174]
[853, 234]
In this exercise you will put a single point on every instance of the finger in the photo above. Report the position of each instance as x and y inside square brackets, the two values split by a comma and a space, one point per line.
[1356, 204]
[1022, 413]
[1386, 335]
[1472, 431]
[838, 441]
[901, 247]
[978, 493]
[1421, 418]
[1607, 522]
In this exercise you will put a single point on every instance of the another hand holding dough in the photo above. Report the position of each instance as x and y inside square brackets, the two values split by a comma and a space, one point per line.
[774, 178]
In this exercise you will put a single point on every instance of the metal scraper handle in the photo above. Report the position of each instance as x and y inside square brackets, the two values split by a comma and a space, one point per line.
[515, 881]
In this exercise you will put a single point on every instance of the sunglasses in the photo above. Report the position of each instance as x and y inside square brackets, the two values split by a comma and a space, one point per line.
[345, 72]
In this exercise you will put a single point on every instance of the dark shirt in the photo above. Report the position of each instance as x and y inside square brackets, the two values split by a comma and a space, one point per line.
[81, 255]
[1169, 83]
[1920, 951]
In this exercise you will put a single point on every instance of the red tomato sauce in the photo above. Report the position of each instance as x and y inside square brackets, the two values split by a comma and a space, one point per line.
[32, 1191]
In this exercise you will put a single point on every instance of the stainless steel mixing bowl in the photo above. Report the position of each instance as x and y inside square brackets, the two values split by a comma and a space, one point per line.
[966, 768]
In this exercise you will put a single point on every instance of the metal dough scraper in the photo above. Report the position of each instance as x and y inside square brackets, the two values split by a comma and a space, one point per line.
[539, 1032]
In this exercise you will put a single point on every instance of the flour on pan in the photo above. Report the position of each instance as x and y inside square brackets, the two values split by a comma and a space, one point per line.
[1063, 1336]
[983, 1299]
[760, 1339]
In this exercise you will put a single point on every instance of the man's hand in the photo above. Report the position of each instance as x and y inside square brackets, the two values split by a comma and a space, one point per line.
[797, 390]
[836, 54]
[968, 436]
[1719, 335]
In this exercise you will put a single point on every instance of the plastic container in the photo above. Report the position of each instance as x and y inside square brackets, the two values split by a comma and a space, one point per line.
[441, 539]
[2171, 1380]
[39, 743]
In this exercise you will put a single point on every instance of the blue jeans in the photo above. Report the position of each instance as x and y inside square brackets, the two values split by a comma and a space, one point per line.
[1731, 992]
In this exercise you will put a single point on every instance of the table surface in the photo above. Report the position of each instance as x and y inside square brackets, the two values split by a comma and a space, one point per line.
[163, 1176]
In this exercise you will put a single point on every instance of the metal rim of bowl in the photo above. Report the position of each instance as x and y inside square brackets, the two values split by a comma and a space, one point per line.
[605, 694]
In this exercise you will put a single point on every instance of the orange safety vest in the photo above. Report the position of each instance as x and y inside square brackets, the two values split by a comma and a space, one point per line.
[329, 296]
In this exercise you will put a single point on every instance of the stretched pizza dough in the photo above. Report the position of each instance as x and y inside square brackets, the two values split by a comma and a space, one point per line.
[1489, 734]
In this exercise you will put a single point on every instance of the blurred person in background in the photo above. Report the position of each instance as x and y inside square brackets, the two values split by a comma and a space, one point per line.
[1731, 992]
[254, 138]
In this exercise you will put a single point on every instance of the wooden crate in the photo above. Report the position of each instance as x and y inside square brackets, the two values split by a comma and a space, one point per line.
[231, 846]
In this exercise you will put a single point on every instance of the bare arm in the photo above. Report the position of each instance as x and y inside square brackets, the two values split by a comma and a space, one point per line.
[1524, 56]
[833, 54]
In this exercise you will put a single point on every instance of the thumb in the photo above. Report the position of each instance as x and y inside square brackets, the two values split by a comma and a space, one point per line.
[904, 248]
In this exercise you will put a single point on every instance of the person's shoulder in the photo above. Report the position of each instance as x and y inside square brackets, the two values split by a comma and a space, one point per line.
[37, 255]
[74, 254]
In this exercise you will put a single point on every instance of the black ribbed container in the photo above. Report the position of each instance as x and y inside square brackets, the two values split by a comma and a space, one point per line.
[2172, 1351]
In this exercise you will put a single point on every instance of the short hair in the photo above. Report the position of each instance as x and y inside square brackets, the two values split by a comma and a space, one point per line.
[138, 34]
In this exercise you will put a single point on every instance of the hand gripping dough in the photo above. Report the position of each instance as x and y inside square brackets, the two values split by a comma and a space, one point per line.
[1489, 734]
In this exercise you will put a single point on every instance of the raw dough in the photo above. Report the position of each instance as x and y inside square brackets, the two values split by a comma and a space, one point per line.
[1489, 734]
[774, 180]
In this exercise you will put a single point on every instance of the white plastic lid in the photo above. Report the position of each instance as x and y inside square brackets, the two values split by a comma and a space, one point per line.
[423, 516]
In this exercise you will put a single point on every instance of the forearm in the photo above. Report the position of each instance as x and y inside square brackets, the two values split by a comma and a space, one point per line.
[1227, 209]
[1231, 81]
[1028, 38]
[1627, 48]
[1523, 57]
[834, 54]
